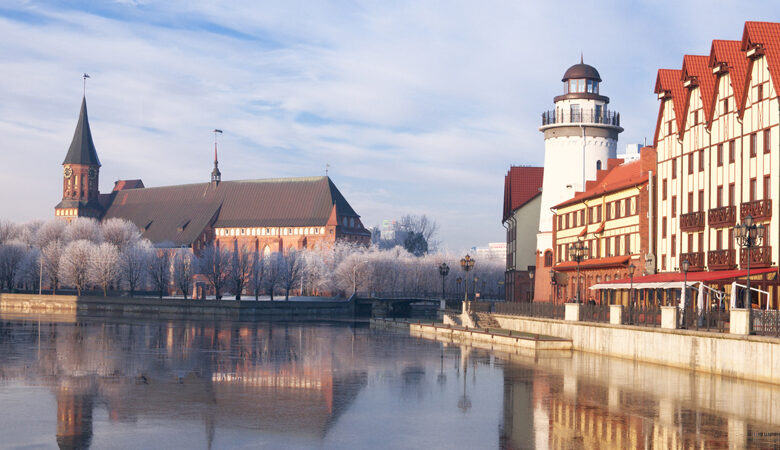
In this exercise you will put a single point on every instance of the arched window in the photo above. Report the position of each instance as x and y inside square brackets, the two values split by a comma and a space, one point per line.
[266, 251]
[598, 165]
[548, 258]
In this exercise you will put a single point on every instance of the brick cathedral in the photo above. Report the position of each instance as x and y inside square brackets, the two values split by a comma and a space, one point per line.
[268, 215]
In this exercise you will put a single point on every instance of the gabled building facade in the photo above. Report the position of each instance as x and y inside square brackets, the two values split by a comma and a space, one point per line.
[522, 205]
[719, 155]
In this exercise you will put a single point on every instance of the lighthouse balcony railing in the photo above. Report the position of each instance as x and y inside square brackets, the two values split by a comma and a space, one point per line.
[556, 117]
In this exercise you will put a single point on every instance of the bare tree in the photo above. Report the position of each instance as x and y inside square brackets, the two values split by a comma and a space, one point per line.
[52, 256]
[120, 232]
[104, 265]
[271, 273]
[214, 263]
[159, 266]
[257, 274]
[240, 270]
[291, 267]
[84, 228]
[8, 231]
[133, 264]
[75, 263]
[11, 256]
[183, 271]
[423, 226]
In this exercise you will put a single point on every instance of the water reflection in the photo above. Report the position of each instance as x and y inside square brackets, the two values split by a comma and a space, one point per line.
[198, 384]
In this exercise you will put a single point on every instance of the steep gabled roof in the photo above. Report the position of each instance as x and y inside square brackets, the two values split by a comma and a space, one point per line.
[696, 66]
[731, 55]
[668, 80]
[180, 214]
[767, 35]
[521, 185]
[82, 149]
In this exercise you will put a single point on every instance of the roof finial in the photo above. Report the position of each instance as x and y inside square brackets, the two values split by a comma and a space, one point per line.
[85, 76]
[216, 176]
[581, 59]
[327, 166]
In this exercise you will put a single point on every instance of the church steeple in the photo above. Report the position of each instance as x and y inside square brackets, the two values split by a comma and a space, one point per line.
[216, 175]
[81, 169]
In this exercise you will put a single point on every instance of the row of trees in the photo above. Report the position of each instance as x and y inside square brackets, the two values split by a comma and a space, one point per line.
[113, 256]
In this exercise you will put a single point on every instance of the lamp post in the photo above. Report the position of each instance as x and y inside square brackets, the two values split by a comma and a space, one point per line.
[475, 287]
[466, 263]
[458, 280]
[684, 266]
[553, 285]
[531, 273]
[578, 252]
[749, 235]
[631, 269]
[444, 270]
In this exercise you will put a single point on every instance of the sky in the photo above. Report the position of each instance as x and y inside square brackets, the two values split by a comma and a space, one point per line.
[418, 107]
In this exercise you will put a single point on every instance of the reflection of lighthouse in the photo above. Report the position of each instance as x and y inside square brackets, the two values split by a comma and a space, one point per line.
[580, 134]
[74, 413]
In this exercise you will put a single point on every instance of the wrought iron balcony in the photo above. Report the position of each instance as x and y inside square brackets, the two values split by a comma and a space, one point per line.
[759, 257]
[692, 221]
[725, 216]
[605, 117]
[759, 209]
[695, 260]
[720, 259]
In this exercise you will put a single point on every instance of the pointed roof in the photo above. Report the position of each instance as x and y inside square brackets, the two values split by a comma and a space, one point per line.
[731, 55]
[521, 185]
[766, 34]
[82, 149]
[696, 66]
[668, 80]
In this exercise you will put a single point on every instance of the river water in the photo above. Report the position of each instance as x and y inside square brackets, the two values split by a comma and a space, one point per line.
[132, 383]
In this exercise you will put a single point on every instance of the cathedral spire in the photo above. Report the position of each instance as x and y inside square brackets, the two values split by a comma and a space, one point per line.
[216, 176]
[82, 148]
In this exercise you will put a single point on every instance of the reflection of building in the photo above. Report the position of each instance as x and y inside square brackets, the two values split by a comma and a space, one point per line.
[522, 203]
[75, 398]
[580, 135]
[272, 214]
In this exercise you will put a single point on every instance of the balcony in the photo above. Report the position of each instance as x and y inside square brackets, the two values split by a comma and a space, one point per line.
[695, 260]
[692, 221]
[725, 216]
[759, 209]
[759, 257]
[589, 116]
[720, 259]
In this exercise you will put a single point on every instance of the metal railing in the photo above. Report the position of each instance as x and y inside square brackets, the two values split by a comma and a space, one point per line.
[708, 320]
[588, 116]
[594, 313]
[766, 323]
[545, 310]
[644, 316]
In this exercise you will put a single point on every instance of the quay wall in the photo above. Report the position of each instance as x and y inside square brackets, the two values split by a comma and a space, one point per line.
[747, 357]
[244, 309]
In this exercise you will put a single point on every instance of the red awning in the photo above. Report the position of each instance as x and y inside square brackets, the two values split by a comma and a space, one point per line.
[610, 261]
[714, 275]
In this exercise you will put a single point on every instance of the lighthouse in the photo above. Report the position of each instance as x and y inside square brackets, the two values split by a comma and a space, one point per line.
[580, 135]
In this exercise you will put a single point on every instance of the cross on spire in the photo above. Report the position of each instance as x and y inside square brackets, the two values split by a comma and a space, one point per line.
[216, 176]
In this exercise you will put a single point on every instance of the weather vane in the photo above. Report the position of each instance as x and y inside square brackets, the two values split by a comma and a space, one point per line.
[327, 166]
[85, 76]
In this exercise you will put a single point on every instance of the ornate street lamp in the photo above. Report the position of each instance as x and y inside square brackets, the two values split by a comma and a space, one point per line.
[749, 235]
[466, 263]
[531, 274]
[684, 266]
[578, 252]
[553, 285]
[444, 270]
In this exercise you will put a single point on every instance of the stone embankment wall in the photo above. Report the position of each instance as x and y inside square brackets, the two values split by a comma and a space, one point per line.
[748, 357]
[36, 304]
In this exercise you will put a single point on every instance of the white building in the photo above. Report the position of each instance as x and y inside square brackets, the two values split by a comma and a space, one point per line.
[580, 135]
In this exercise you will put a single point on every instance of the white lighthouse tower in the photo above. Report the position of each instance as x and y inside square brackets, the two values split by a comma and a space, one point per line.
[580, 134]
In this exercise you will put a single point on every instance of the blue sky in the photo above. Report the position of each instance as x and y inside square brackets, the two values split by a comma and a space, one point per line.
[418, 107]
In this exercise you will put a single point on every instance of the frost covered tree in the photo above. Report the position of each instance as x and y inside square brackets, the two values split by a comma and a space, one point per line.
[257, 274]
[291, 266]
[104, 265]
[240, 270]
[52, 256]
[159, 269]
[8, 231]
[120, 232]
[12, 254]
[271, 273]
[29, 274]
[214, 264]
[75, 264]
[83, 228]
[133, 264]
[51, 231]
[183, 269]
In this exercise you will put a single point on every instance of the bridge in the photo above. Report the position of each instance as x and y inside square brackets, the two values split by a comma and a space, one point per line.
[393, 305]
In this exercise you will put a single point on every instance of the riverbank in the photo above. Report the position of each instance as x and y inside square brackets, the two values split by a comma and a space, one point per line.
[503, 340]
[174, 308]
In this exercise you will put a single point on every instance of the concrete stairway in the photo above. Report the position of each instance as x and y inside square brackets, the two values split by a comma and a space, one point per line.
[485, 320]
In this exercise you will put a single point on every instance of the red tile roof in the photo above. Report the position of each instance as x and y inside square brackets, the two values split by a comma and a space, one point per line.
[670, 80]
[731, 54]
[693, 277]
[767, 34]
[521, 185]
[615, 177]
[120, 185]
[697, 66]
